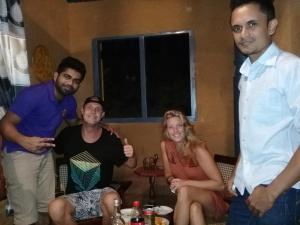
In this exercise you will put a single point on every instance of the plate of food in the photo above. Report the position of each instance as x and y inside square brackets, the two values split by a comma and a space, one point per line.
[161, 221]
[162, 210]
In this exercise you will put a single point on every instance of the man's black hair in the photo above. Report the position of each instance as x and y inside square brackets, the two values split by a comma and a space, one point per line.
[266, 6]
[72, 63]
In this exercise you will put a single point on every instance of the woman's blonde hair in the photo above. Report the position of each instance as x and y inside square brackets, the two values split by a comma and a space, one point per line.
[191, 141]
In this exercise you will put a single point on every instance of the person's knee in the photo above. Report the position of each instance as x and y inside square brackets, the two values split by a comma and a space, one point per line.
[183, 194]
[195, 208]
[57, 209]
[108, 200]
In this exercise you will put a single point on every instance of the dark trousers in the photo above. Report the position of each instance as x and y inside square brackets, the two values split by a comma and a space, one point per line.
[285, 211]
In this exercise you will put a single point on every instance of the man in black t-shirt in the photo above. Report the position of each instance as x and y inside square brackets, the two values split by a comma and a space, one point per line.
[92, 153]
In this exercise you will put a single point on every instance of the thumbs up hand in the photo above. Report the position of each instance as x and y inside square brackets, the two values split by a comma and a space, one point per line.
[128, 149]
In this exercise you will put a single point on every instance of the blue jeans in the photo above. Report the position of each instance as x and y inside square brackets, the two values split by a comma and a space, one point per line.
[285, 211]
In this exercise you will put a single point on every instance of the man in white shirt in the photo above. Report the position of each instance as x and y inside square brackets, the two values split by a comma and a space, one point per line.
[266, 180]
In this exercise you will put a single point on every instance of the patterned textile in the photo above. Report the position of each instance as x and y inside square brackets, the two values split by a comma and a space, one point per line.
[14, 73]
[85, 171]
[87, 203]
[108, 150]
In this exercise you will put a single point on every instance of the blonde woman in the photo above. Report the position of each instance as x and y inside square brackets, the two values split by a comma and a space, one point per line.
[191, 172]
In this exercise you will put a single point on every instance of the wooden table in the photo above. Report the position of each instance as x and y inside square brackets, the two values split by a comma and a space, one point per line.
[151, 174]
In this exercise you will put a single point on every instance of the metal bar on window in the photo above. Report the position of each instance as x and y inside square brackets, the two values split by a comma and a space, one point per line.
[143, 76]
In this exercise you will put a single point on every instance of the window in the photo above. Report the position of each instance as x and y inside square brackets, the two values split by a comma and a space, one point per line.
[140, 77]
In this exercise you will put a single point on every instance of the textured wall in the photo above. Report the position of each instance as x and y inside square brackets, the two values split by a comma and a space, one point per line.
[213, 45]
[288, 34]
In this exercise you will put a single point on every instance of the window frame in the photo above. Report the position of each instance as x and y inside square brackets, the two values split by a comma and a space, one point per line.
[141, 37]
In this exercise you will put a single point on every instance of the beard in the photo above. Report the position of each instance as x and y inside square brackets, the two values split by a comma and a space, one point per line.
[64, 90]
[245, 46]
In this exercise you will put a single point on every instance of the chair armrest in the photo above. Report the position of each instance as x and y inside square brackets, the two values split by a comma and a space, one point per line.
[231, 160]
[121, 186]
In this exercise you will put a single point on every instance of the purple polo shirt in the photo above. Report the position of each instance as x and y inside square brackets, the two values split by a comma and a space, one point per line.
[41, 114]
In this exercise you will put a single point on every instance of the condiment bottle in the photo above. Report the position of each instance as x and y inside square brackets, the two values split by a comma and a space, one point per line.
[136, 214]
[149, 216]
[116, 218]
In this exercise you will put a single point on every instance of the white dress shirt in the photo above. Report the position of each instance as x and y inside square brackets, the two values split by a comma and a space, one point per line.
[269, 116]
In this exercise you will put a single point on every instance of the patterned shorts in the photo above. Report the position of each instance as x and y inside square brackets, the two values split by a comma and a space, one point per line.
[87, 203]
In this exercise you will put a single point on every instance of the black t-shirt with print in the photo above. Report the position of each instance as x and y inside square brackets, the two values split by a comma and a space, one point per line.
[90, 164]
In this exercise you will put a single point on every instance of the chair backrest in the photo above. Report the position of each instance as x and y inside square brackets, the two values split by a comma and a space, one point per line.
[226, 165]
[61, 170]
[63, 176]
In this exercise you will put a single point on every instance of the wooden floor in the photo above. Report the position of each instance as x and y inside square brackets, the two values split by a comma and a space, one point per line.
[3, 219]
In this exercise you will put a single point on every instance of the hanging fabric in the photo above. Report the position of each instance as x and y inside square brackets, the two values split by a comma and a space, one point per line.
[14, 73]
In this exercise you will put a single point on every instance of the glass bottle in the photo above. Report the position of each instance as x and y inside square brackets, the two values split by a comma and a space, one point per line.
[116, 217]
[149, 216]
[136, 214]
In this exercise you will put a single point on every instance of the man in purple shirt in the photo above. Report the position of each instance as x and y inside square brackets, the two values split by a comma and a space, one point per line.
[29, 127]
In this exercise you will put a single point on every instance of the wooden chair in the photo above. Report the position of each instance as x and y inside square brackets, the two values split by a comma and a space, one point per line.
[226, 165]
[61, 184]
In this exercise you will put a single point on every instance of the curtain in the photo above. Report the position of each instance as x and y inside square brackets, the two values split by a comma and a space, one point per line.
[14, 73]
